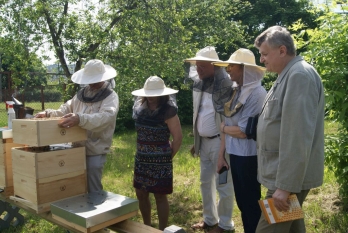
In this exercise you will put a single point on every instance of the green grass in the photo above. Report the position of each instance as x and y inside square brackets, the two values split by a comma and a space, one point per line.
[34, 105]
[323, 210]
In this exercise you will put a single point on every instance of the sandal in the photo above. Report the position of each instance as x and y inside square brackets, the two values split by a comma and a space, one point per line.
[202, 226]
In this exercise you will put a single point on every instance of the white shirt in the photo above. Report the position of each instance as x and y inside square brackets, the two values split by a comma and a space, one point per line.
[206, 117]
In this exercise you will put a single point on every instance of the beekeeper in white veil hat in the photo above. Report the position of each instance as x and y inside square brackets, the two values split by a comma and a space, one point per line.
[238, 105]
[94, 108]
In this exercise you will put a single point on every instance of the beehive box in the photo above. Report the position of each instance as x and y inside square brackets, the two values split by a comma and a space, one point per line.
[93, 211]
[45, 131]
[6, 177]
[50, 175]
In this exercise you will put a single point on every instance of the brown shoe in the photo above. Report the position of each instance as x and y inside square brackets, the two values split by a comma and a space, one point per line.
[202, 226]
[218, 229]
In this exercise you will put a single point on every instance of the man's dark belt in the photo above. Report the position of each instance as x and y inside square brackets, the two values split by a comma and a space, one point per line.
[215, 136]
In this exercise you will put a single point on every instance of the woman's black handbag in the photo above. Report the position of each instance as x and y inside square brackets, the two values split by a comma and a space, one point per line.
[250, 130]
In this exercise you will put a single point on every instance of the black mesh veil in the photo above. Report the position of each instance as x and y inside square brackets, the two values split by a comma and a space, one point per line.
[224, 93]
[87, 95]
[228, 98]
[205, 85]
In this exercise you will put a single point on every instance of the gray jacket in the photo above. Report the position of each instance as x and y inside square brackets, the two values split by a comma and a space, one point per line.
[290, 132]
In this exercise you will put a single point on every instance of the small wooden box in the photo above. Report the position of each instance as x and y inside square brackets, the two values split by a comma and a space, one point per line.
[43, 177]
[45, 131]
[6, 177]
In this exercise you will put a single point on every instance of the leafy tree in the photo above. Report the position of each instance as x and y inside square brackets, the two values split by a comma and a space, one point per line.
[143, 38]
[327, 50]
[25, 66]
[139, 38]
[259, 15]
[157, 38]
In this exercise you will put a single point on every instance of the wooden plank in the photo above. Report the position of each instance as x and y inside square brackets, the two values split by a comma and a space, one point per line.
[6, 177]
[47, 215]
[7, 191]
[70, 224]
[27, 205]
[96, 227]
[3, 181]
[129, 226]
[2, 153]
[113, 221]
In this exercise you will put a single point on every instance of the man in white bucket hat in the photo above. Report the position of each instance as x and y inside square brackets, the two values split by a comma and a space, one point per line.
[93, 108]
[206, 129]
[244, 102]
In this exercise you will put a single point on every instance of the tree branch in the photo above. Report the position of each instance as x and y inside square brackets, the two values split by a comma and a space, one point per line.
[56, 40]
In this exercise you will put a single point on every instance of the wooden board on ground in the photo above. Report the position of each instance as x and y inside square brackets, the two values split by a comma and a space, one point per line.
[129, 226]
[96, 227]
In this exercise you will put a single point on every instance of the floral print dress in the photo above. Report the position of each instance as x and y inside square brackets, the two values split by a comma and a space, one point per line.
[153, 168]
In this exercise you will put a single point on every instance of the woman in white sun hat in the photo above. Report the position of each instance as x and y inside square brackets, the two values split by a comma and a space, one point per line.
[156, 119]
[93, 108]
[244, 100]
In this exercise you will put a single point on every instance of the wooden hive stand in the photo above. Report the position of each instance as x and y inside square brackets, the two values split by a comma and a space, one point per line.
[31, 174]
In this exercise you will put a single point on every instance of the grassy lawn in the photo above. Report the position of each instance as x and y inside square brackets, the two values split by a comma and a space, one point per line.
[34, 105]
[322, 208]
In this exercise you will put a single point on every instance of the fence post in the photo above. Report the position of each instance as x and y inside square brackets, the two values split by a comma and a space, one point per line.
[42, 99]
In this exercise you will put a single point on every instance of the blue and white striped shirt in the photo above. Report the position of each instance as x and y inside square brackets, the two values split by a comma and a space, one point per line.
[252, 106]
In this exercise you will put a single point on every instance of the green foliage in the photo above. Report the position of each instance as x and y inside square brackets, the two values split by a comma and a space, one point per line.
[27, 69]
[336, 151]
[258, 15]
[185, 112]
[138, 38]
[327, 50]
[268, 80]
[142, 38]
[156, 38]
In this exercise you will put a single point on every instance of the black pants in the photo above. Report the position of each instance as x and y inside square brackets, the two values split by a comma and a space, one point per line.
[247, 189]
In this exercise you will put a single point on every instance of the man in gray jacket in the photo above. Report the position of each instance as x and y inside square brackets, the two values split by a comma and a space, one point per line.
[93, 108]
[290, 131]
[206, 129]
